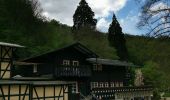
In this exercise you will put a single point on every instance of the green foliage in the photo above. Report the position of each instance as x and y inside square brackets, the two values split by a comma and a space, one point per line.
[132, 76]
[142, 49]
[153, 75]
[20, 24]
[84, 16]
[167, 94]
[116, 39]
[156, 95]
[96, 41]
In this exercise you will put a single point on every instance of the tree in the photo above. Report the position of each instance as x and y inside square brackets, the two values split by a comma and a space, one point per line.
[117, 40]
[153, 75]
[155, 16]
[84, 16]
[19, 15]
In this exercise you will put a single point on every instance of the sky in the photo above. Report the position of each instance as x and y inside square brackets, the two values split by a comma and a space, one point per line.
[127, 13]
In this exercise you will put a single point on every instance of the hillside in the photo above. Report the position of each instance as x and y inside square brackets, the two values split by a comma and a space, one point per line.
[40, 35]
[142, 48]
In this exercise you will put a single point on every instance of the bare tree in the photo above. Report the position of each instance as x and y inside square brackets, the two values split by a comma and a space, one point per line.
[36, 7]
[155, 17]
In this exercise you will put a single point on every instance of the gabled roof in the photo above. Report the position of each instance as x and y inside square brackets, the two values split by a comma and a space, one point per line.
[109, 62]
[10, 44]
[78, 46]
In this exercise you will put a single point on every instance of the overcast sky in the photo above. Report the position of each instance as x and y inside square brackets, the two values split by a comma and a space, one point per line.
[126, 11]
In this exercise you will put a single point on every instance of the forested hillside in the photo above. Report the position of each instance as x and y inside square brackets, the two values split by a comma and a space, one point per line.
[20, 24]
[142, 48]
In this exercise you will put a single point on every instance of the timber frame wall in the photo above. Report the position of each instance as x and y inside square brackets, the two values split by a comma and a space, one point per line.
[28, 91]
[14, 92]
[6, 61]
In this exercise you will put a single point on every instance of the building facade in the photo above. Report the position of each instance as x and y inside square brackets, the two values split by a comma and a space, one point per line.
[72, 73]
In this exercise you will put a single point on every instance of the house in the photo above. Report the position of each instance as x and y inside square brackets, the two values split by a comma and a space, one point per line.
[29, 89]
[78, 73]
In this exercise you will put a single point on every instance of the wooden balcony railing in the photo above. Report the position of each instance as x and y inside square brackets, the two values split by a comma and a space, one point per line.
[108, 92]
[72, 71]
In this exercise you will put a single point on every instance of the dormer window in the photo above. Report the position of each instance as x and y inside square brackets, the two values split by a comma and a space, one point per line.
[75, 63]
[66, 62]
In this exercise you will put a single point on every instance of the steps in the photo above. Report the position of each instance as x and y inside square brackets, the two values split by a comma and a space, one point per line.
[91, 96]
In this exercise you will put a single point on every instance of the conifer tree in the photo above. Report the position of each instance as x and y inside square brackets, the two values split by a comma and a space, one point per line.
[84, 16]
[117, 40]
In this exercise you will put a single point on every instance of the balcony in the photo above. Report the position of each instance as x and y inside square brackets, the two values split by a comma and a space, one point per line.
[109, 92]
[72, 71]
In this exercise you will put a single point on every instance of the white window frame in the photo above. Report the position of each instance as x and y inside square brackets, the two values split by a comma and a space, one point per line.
[106, 84]
[101, 85]
[112, 84]
[74, 88]
[35, 68]
[116, 84]
[96, 85]
[75, 63]
[121, 84]
[97, 67]
[66, 62]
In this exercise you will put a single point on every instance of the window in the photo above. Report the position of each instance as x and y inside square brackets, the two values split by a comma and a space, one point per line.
[97, 67]
[117, 84]
[74, 89]
[100, 67]
[35, 68]
[106, 84]
[112, 84]
[94, 67]
[121, 84]
[66, 62]
[94, 85]
[75, 63]
[101, 84]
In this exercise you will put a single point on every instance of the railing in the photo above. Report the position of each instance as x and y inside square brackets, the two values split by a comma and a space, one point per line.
[108, 92]
[72, 71]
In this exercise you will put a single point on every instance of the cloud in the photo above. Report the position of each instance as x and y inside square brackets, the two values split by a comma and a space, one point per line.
[103, 25]
[158, 6]
[129, 23]
[105, 7]
[63, 10]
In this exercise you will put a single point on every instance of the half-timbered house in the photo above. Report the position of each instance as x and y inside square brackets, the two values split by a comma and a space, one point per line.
[29, 88]
[73, 73]
[92, 76]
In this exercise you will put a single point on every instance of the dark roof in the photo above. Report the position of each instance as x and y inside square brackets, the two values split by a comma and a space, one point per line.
[10, 44]
[6, 82]
[109, 62]
[20, 78]
[78, 46]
